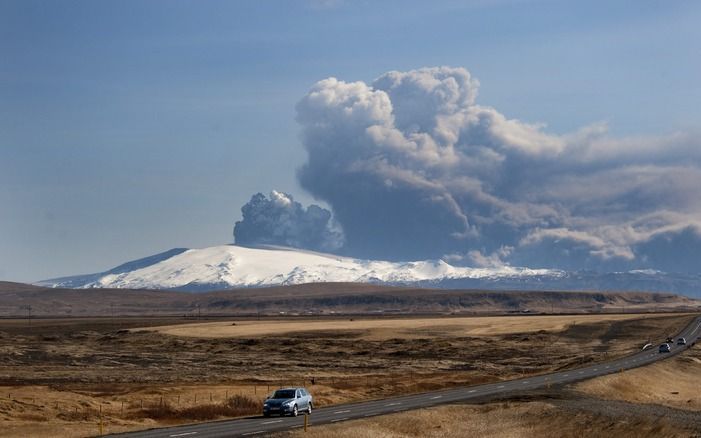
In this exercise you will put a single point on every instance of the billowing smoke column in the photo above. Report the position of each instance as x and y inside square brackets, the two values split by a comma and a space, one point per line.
[414, 168]
[283, 221]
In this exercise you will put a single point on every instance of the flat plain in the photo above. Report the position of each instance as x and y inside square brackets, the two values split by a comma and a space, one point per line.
[60, 376]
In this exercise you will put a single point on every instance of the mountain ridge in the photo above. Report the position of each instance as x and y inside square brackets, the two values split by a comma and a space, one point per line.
[232, 266]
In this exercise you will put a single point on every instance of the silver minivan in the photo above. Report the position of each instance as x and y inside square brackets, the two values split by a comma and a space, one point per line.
[288, 401]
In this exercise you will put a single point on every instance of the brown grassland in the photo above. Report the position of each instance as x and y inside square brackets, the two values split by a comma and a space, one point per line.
[660, 400]
[58, 377]
[505, 420]
[675, 383]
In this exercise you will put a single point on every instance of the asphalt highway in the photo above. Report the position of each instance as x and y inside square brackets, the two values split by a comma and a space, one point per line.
[255, 426]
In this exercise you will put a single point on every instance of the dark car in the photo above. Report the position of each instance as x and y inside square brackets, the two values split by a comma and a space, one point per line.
[664, 348]
[681, 341]
[288, 401]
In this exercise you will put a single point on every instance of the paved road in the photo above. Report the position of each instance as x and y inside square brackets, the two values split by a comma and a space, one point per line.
[260, 425]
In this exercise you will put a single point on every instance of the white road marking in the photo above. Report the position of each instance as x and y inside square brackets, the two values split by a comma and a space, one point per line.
[184, 434]
[342, 412]
[525, 383]
[436, 397]
[253, 433]
[393, 404]
[566, 375]
[339, 419]
[581, 372]
[472, 390]
[369, 415]
[500, 386]
[271, 422]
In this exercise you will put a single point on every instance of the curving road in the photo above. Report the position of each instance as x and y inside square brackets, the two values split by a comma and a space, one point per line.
[260, 425]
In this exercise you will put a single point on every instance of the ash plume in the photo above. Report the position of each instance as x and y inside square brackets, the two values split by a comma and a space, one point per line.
[280, 220]
[413, 167]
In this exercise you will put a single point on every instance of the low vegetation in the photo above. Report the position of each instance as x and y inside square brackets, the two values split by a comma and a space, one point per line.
[235, 406]
[58, 378]
[675, 383]
[500, 420]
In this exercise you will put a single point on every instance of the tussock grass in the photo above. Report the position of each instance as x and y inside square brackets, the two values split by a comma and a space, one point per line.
[235, 406]
[497, 420]
[673, 382]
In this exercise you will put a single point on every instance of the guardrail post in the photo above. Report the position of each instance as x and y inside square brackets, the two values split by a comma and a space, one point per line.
[306, 422]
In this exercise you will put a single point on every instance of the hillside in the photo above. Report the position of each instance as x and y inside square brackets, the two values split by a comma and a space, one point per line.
[324, 298]
[231, 266]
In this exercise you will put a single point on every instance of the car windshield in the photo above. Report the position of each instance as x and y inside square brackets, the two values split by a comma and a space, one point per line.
[284, 393]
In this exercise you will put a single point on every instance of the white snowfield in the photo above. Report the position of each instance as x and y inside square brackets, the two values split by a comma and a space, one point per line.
[236, 266]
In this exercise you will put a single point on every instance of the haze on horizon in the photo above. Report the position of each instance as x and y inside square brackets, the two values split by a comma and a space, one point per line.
[530, 133]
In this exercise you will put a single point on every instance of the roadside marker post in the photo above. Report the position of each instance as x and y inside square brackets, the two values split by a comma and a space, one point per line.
[306, 422]
[99, 423]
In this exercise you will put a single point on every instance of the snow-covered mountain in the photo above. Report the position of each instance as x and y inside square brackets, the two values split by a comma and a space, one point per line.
[236, 266]
[231, 266]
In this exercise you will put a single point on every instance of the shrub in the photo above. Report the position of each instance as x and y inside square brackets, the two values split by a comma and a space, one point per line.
[235, 406]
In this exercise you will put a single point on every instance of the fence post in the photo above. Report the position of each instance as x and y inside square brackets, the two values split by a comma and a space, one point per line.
[306, 422]
[99, 423]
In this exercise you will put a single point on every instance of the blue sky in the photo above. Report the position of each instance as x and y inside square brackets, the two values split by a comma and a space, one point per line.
[128, 128]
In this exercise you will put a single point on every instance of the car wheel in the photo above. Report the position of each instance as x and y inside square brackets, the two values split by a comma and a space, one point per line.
[266, 414]
[294, 411]
[309, 408]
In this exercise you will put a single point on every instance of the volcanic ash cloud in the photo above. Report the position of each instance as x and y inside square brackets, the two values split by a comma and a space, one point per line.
[280, 220]
[413, 167]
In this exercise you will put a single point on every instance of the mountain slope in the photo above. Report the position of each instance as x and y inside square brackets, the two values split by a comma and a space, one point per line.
[230, 266]
[87, 279]
[235, 266]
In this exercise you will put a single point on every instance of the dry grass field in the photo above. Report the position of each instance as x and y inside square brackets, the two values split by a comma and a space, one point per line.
[660, 400]
[675, 383]
[57, 375]
[503, 420]
[388, 328]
